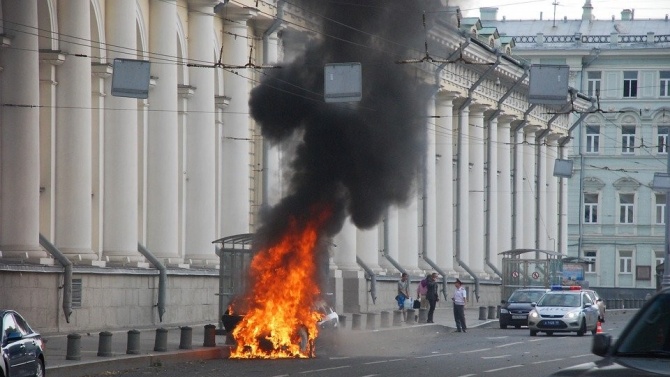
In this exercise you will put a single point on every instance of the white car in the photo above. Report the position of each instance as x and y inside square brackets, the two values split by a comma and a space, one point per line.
[564, 309]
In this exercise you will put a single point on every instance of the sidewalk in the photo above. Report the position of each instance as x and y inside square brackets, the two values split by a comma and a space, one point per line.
[91, 364]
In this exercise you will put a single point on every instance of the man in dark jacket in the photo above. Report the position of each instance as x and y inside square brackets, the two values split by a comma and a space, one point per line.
[431, 295]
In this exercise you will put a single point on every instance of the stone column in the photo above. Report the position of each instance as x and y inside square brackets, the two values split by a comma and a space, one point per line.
[73, 209]
[428, 230]
[552, 195]
[236, 137]
[476, 209]
[518, 194]
[408, 234]
[199, 187]
[541, 195]
[444, 178]
[504, 202]
[367, 247]
[344, 254]
[120, 212]
[19, 132]
[353, 281]
[162, 235]
[463, 191]
[491, 193]
[529, 189]
[390, 241]
[562, 242]
[273, 184]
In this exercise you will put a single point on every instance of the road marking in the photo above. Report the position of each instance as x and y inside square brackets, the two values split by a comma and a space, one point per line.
[495, 357]
[479, 350]
[503, 368]
[509, 344]
[427, 356]
[584, 355]
[536, 340]
[383, 361]
[497, 337]
[324, 369]
[339, 357]
[371, 375]
[467, 375]
[546, 361]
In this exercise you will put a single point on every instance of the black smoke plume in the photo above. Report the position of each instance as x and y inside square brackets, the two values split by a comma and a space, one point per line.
[361, 157]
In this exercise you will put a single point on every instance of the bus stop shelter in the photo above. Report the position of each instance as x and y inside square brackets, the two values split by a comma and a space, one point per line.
[235, 254]
[530, 268]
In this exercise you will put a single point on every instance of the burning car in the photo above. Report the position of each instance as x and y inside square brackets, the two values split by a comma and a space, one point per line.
[328, 320]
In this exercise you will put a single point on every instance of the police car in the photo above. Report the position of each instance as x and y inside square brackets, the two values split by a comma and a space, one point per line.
[564, 309]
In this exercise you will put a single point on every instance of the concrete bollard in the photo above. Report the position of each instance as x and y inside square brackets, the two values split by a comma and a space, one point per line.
[210, 336]
[133, 344]
[356, 321]
[73, 347]
[343, 321]
[482, 313]
[423, 315]
[498, 311]
[105, 344]
[371, 321]
[384, 319]
[160, 343]
[410, 316]
[397, 317]
[185, 339]
[492, 312]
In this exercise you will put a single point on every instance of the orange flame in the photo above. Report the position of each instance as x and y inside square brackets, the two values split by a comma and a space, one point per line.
[281, 321]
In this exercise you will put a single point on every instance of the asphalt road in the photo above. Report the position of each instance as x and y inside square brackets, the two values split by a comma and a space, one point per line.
[422, 351]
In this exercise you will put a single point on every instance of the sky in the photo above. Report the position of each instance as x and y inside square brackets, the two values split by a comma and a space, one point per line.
[530, 9]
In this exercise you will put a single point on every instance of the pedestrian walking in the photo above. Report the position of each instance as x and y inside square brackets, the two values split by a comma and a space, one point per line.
[421, 290]
[403, 293]
[460, 298]
[431, 295]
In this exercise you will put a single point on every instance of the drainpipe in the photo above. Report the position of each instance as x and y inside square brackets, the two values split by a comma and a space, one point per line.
[67, 275]
[386, 245]
[373, 278]
[517, 170]
[162, 278]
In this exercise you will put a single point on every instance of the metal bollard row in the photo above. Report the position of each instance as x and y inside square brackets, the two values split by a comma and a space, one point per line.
[133, 342]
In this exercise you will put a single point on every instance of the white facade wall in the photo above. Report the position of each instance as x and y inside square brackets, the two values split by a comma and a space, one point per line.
[175, 172]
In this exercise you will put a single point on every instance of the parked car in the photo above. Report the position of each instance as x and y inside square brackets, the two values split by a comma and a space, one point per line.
[514, 311]
[642, 349]
[602, 307]
[22, 348]
[564, 309]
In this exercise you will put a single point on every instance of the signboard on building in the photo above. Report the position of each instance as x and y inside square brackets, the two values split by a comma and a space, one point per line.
[343, 82]
[130, 78]
[548, 84]
[572, 273]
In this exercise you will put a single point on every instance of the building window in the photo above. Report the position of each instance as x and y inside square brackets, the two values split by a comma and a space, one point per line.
[626, 208]
[590, 208]
[628, 139]
[662, 139]
[593, 83]
[660, 209]
[630, 84]
[625, 262]
[590, 256]
[665, 84]
[592, 139]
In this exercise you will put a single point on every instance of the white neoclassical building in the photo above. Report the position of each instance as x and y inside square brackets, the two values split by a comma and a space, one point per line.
[110, 204]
